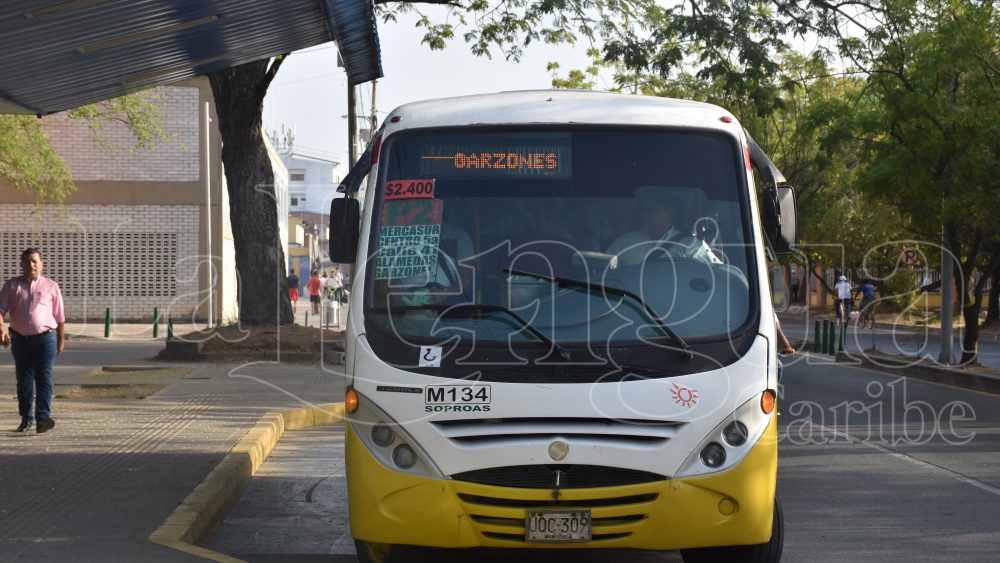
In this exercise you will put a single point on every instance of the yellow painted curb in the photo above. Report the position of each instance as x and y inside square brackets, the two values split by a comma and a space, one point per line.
[207, 505]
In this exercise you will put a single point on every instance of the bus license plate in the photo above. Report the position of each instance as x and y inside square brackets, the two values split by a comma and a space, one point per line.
[552, 526]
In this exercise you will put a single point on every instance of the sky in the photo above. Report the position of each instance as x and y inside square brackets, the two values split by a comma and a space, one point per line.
[309, 93]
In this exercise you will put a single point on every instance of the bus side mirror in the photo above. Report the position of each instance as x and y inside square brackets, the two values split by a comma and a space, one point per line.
[345, 229]
[779, 218]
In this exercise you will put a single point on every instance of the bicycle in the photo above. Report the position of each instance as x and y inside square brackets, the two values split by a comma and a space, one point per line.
[843, 312]
[867, 317]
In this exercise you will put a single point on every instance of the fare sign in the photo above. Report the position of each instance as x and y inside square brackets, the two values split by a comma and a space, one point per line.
[400, 189]
[409, 239]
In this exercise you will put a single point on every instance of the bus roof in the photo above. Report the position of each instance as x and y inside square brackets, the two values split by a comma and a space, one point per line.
[558, 107]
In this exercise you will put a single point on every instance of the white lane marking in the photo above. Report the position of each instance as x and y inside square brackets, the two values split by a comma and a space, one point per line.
[918, 462]
[40, 540]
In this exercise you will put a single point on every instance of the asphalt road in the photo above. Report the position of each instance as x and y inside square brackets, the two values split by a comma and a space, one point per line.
[872, 468]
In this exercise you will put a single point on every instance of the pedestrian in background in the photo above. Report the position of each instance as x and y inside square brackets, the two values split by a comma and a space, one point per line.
[315, 287]
[336, 283]
[293, 289]
[34, 305]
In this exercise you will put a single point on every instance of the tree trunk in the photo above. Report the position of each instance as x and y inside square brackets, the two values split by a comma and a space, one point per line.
[260, 261]
[970, 336]
[993, 307]
[970, 312]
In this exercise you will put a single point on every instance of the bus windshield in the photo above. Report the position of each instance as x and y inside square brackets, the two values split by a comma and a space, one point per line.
[565, 236]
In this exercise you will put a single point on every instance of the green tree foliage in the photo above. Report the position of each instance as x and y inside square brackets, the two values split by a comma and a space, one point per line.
[578, 79]
[928, 138]
[512, 25]
[29, 163]
[142, 113]
[904, 141]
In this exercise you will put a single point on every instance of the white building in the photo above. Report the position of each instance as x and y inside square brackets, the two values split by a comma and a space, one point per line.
[312, 177]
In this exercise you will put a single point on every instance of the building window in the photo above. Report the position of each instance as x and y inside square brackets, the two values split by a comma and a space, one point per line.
[297, 175]
[295, 201]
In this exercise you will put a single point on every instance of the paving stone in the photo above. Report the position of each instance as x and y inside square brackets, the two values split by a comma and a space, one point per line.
[113, 470]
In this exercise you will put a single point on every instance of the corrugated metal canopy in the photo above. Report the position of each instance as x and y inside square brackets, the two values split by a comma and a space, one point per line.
[56, 55]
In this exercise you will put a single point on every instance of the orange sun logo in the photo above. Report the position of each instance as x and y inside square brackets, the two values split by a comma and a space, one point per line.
[684, 396]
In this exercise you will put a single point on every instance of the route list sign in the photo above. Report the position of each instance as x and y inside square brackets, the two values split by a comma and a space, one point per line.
[409, 238]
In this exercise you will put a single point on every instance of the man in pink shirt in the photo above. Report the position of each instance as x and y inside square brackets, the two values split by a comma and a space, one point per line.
[34, 306]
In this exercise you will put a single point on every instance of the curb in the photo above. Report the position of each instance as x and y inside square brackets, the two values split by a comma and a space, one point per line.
[191, 351]
[207, 505]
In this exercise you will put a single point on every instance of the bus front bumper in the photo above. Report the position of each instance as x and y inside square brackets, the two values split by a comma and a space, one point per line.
[734, 507]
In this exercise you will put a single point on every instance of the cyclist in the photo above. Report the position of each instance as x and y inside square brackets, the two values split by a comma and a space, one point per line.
[867, 291]
[844, 300]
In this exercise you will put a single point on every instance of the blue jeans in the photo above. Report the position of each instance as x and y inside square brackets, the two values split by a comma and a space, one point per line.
[33, 359]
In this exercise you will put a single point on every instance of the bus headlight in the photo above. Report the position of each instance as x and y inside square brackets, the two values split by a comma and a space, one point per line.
[713, 455]
[388, 441]
[735, 433]
[382, 435]
[403, 456]
[729, 442]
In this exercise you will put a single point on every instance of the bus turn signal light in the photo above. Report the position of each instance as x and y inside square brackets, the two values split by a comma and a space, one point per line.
[767, 400]
[350, 400]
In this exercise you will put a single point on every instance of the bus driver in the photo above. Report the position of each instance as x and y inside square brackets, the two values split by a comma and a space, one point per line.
[657, 233]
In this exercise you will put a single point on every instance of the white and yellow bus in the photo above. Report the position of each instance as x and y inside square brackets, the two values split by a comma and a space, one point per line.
[561, 333]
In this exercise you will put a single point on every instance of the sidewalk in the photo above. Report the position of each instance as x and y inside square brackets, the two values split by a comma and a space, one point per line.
[114, 469]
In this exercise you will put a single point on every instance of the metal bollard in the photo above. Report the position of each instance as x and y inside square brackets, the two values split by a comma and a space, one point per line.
[816, 341]
[170, 328]
[826, 336]
[306, 322]
[831, 346]
[843, 337]
[330, 312]
[107, 322]
[156, 322]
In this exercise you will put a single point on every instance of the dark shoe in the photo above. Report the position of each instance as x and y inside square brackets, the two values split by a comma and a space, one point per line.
[25, 425]
[45, 424]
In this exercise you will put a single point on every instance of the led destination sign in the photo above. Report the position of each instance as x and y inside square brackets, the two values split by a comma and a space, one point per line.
[501, 161]
[540, 155]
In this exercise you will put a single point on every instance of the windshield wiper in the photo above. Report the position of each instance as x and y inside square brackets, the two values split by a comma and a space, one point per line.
[486, 308]
[688, 352]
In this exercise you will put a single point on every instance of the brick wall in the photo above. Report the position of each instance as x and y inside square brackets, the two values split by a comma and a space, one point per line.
[130, 258]
[175, 160]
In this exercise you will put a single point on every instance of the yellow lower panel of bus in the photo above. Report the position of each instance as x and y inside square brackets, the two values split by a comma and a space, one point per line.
[729, 508]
